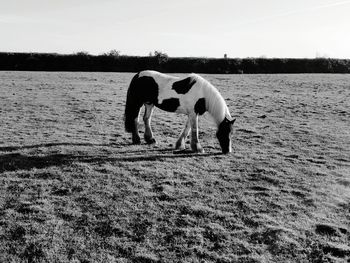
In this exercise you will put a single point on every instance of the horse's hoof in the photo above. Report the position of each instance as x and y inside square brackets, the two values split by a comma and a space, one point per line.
[180, 147]
[151, 141]
[200, 150]
[136, 141]
[197, 149]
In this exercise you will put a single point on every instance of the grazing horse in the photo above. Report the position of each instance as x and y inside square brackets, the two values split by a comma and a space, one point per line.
[191, 95]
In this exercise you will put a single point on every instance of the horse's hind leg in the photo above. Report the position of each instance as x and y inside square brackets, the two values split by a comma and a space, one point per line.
[180, 143]
[195, 145]
[135, 132]
[148, 135]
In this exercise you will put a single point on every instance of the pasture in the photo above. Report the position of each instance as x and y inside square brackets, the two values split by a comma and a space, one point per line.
[73, 188]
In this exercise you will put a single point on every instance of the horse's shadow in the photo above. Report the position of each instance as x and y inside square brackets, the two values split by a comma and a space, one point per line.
[19, 161]
[85, 144]
[47, 145]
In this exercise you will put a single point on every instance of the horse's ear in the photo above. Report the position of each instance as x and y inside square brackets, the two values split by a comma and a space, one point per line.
[233, 121]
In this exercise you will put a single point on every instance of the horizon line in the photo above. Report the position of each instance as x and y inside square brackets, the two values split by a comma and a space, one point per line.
[164, 53]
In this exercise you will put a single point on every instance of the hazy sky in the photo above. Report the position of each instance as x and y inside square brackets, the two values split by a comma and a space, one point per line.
[209, 28]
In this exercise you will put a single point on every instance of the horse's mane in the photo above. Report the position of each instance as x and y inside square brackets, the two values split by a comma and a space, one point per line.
[216, 105]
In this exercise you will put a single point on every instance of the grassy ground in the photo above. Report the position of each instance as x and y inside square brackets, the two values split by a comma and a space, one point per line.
[73, 189]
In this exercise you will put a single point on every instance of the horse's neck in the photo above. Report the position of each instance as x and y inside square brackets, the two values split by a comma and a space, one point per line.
[216, 105]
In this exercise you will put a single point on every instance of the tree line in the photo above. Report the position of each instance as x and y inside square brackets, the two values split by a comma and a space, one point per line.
[114, 62]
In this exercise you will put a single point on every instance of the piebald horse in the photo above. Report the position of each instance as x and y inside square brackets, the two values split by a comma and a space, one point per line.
[191, 95]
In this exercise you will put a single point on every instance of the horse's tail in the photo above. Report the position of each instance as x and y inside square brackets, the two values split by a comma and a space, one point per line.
[132, 106]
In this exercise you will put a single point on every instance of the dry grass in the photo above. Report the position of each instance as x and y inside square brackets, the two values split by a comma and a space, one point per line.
[73, 189]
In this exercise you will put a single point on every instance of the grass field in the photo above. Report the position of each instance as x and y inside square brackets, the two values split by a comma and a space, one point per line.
[73, 188]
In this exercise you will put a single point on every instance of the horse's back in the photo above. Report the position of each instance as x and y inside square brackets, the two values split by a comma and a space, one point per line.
[170, 93]
[165, 82]
[157, 76]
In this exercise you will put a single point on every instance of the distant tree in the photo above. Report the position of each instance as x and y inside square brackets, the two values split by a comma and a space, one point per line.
[160, 53]
[113, 53]
[225, 56]
[82, 53]
[161, 57]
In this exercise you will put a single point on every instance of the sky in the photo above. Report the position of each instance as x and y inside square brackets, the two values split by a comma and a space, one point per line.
[181, 28]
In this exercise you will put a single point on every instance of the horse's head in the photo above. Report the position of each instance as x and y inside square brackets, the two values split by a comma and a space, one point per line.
[224, 135]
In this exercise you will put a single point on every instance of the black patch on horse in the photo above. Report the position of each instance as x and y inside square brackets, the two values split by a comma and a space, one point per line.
[147, 89]
[199, 107]
[169, 104]
[183, 86]
[141, 90]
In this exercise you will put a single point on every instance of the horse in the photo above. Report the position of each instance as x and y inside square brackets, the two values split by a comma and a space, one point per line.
[191, 95]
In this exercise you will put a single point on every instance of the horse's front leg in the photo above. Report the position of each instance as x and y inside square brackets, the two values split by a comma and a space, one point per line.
[148, 135]
[195, 145]
[180, 143]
